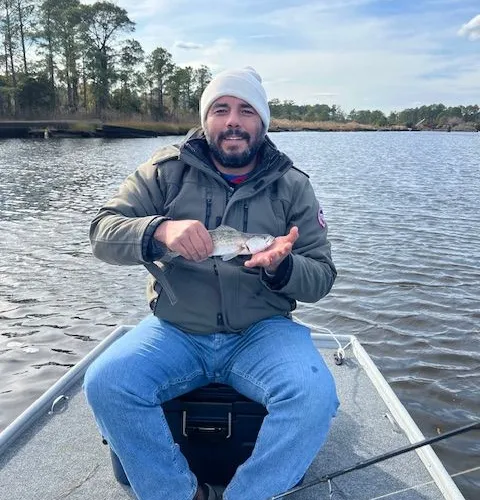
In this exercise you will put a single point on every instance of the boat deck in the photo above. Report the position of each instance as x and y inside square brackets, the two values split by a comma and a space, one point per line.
[61, 455]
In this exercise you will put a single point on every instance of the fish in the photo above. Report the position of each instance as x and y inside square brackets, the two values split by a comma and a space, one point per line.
[228, 243]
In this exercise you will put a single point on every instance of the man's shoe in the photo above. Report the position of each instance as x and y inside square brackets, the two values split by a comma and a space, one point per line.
[206, 492]
[219, 491]
[211, 494]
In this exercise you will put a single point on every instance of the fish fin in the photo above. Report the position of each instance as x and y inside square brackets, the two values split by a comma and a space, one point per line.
[229, 256]
[224, 228]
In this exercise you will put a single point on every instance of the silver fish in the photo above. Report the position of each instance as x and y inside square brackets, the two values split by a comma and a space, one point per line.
[228, 243]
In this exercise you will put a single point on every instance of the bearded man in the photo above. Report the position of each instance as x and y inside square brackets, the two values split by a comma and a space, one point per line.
[218, 321]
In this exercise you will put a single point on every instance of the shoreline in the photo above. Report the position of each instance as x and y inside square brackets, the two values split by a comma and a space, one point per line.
[138, 129]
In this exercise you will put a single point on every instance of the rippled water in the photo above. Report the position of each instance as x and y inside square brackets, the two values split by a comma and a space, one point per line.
[403, 211]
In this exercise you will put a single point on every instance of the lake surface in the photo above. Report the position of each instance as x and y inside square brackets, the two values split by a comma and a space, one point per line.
[404, 217]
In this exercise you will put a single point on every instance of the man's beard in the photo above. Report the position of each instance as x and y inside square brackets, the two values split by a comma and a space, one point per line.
[235, 159]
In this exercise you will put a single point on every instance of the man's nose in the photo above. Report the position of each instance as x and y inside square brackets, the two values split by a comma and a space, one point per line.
[233, 119]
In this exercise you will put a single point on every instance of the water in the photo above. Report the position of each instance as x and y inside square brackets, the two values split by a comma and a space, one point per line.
[403, 215]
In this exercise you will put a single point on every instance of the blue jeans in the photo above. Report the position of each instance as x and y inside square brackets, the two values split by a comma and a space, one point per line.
[273, 362]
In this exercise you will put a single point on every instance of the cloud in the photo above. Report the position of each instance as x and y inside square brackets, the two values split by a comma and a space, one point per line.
[139, 10]
[215, 55]
[188, 45]
[260, 37]
[220, 48]
[472, 29]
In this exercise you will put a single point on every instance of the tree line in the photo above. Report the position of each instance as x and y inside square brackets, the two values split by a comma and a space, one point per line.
[432, 116]
[62, 58]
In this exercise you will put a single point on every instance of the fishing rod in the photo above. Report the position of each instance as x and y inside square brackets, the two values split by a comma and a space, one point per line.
[380, 458]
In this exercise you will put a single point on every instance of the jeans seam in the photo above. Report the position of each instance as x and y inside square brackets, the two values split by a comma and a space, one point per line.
[172, 443]
[167, 430]
[177, 381]
[256, 383]
[194, 492]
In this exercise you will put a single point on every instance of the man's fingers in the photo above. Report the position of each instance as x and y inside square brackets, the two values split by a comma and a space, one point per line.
[189, 238]
[272, 257]
[203, 241]
[269, 258]
[293, 234]
[200, 245]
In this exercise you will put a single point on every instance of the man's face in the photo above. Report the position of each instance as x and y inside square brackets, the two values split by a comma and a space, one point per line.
[234, 132]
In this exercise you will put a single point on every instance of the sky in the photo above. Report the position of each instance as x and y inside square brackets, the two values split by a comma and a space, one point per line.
[358, 54]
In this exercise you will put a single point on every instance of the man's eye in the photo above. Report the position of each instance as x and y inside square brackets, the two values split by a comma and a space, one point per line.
[248, 111]
[220, 111]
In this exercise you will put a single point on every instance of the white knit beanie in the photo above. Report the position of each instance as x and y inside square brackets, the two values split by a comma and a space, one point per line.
[243, 83]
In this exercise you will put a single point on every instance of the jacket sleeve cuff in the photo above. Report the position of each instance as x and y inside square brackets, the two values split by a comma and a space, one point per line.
[281, 276]
[152, 249]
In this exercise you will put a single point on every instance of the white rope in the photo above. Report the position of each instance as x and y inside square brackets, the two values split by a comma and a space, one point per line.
[340, 350]
[423, 484]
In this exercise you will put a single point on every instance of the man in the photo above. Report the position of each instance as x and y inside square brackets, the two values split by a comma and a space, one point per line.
[213, 320]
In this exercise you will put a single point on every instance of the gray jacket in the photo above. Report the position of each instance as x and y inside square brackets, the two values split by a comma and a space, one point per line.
[179, 182]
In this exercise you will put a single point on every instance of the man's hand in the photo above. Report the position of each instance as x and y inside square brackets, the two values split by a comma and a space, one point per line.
[189, 238]
[271, 258]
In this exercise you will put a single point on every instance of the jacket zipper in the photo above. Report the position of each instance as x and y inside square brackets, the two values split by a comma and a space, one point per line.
[208, 210]
[220, 321]
[229, 194]
[245, 217]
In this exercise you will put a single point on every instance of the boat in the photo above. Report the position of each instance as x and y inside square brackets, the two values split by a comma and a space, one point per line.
[54, 451]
